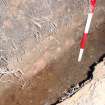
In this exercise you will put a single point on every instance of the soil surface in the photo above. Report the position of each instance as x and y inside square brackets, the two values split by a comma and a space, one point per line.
[38, 60]
[47, 86]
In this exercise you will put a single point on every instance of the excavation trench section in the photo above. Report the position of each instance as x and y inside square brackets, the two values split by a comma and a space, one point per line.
[43, 46]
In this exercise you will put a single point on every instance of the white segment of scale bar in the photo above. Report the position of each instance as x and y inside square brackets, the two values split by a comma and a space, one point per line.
[80, 55]
[90, 15]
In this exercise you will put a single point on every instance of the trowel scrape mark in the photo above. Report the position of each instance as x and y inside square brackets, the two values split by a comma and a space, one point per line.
[11, 76]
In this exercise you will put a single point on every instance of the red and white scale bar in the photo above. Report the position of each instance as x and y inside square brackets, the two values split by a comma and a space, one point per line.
[85, 35]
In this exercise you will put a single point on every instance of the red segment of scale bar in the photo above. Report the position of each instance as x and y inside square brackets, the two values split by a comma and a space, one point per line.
[92, 5]
[83, 41]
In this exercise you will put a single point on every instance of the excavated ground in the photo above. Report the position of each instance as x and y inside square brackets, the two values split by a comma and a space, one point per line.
[47, 86]
[37, 74]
